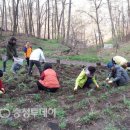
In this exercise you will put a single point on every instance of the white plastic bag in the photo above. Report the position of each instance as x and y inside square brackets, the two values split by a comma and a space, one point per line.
[4, 57]
[18, 60]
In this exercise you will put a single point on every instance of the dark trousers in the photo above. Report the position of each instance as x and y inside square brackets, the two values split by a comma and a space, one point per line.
[4, 64]
[88, 82]
[16, 67]
[41, 87]
[27, 60]
[32, 63]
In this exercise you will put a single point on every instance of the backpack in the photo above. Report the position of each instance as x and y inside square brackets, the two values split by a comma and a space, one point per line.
[24, 49]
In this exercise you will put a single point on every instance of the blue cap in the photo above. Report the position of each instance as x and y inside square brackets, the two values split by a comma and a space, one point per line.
[110, 64]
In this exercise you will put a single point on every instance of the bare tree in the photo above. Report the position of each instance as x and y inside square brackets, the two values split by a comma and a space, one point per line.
[128, 6]
[68, 26]
[63, 21]
[10, 15]
[97, 4]
[112, 24]
[45, 23]
[24, 13]
[5, 17]
[48, 3]
[30, 13]
[15, 5]
[3, 14]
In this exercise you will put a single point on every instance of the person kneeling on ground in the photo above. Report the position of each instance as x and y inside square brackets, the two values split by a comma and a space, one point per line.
[2, 90]
[119, 60]
[49, 81]
[85, 78]
[119, 75]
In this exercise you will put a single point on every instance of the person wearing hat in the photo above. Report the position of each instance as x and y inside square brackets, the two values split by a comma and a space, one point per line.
[36, 58]
[2, 90]
[118, 75]
[10, 52]
[85, 78]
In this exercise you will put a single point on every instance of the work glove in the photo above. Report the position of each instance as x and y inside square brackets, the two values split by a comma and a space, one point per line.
[97, 86]
[107, 79]
[75, 88]
[110, 81]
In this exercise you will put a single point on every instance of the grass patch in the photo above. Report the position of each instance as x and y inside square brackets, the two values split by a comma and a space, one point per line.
[111, 127]
[82, 104]
[21, 101]
[37, 97]
[62, 124]
[110, 41]
[60, 113]
[88, 58]
[126, 102]
[89, 117]
[10, 123]
[53, 103]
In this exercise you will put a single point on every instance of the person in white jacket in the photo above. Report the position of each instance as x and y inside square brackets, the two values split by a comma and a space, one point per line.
[37, 57]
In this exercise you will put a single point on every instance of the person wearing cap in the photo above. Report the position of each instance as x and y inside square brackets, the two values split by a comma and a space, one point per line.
[10, 52]
[85, 78]
[118, 75]
[2, 90]
[49, 79]
[27, 52]
[36, 58]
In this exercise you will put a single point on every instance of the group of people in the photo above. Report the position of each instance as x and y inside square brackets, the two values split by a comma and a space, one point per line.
[48, 80]
[118, 74]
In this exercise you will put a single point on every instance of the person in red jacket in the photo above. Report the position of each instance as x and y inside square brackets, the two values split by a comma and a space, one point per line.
[48, 81]
[2, 90]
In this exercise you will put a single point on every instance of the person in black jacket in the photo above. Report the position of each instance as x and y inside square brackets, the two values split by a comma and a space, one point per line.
[10, 51]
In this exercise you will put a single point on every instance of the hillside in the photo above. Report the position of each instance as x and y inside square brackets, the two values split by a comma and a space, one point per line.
[90, 109]
[24, 108]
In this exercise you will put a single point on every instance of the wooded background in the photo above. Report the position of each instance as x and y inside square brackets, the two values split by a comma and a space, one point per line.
[53, 19]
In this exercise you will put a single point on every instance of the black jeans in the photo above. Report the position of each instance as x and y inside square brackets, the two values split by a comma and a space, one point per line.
[27, 60]
[4, 63]
[88, 82]
[41, 87]
[31, 64]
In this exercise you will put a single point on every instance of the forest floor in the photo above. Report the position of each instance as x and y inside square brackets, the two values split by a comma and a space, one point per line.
[24, 108]
[107, 108]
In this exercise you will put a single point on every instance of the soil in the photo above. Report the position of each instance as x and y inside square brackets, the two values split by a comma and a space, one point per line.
[76, 105]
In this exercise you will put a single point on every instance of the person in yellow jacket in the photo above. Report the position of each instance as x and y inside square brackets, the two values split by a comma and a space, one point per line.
[119, 60]
[85, 78]
[27, 51]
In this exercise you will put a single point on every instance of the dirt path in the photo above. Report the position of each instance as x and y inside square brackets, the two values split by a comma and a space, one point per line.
[70, 62]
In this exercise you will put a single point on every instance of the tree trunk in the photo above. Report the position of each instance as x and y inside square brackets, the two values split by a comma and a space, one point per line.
[98, 26]
[25, 18]
[38, 19]
[15, 16]
[45, 23]
[69, 19]
[48, 2]
[2, 12]
[112, 25]
[30, 13]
